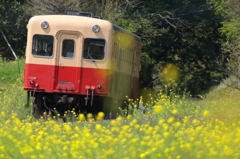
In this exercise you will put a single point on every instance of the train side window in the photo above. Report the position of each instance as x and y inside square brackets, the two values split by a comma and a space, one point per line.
[42, 45]
[94, 49]
[68, 46]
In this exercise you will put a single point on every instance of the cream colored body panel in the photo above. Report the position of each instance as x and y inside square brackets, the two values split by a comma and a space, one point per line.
[77, 27]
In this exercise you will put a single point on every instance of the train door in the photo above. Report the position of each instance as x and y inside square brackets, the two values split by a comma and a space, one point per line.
[67, 74]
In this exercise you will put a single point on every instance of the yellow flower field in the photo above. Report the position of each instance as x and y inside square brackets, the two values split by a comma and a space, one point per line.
[168, 127]
[119, 139]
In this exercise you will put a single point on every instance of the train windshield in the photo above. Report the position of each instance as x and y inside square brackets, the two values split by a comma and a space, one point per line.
[94, 49]
[42, 45]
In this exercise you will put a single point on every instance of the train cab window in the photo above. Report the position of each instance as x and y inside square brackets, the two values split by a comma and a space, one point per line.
[68, 48]
[94, 49]
[42, 45]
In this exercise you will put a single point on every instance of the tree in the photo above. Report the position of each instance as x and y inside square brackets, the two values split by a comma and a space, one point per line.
[13, 24]
[184, 33]
[229, 11]
[37, 7]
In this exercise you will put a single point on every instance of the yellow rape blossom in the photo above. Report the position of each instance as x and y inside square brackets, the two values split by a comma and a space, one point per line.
[157, 109]
[174, 111]
[170, 120]
[205, 113]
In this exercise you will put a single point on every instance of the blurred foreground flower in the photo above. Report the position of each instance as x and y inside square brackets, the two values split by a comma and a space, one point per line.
[100, 116]
[205, 113]
[157, 109]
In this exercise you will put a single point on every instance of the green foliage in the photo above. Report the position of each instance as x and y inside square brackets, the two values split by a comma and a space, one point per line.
[229, 11]
[36, 7]
[184, 33]
[13, 24]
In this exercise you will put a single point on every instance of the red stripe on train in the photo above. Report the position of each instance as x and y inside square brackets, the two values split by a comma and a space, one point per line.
[64, 79]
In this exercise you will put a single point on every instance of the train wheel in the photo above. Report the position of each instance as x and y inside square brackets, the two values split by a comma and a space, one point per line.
[38, 107]
[35, 111]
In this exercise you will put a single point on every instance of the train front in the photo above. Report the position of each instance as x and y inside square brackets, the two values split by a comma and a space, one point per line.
[67, 63]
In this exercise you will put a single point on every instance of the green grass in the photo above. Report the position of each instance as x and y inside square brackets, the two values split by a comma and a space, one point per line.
[222, 100]
[11, 88]
[10, 71]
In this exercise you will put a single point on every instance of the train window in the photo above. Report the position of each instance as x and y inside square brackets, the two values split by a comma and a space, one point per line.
[42, 45]
[68, 48]
[94, 49]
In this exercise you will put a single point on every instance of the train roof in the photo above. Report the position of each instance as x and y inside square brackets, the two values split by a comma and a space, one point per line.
[73, 19]
[117, 28]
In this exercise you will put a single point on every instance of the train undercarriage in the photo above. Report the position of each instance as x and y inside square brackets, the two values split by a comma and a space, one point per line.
[59, 104]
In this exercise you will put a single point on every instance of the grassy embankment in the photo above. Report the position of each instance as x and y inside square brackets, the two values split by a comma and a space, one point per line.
[181, 128]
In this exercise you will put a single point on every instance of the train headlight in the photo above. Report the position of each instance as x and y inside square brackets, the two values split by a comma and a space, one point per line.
[96, 28]
[32, 83]
[44, 24]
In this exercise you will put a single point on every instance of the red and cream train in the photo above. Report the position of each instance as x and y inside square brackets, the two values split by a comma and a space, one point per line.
[80, 62]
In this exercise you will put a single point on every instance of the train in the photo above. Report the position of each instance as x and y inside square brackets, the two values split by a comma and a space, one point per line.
[80, 62]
